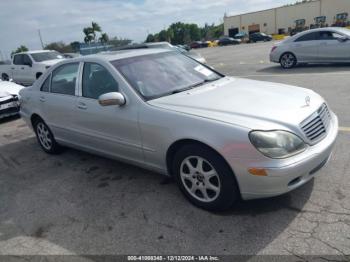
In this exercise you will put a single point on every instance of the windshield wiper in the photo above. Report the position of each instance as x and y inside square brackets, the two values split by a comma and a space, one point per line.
[193, 86]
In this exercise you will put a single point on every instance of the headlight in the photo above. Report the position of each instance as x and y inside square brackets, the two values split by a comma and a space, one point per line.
[277, 144]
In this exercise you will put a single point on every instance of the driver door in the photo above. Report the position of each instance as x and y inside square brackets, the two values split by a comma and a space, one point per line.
[111, 130]
[332, 49]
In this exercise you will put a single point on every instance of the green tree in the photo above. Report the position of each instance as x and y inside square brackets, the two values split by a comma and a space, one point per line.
[20, 49]
[115, 41]
[75, 46]
[104, 38]
[150, 38]
[59, 47]
[95, 28]
[90, 32]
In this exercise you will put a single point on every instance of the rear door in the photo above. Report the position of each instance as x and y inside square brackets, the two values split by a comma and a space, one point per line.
[306, 47]
[58, 104]
[332, 49]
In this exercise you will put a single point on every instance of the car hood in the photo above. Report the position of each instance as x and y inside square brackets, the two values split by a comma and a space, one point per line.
[9, 88]
[247, 103]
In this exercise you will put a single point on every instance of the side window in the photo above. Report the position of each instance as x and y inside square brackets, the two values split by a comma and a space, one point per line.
[64, 79]
[308, 37]
[97, 81]
[46, 85]
[18, 59]
[26, 60]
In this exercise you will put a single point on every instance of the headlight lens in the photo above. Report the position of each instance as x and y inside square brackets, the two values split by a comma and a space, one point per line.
[277, 144]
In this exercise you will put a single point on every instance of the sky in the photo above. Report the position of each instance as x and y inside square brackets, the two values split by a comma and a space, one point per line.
[63, 20]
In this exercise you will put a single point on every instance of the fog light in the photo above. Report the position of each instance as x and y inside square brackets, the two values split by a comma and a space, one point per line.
[257, 171]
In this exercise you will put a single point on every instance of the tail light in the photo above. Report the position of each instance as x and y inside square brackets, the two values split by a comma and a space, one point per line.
[273, 48]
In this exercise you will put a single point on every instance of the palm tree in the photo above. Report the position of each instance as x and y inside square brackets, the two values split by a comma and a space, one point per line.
[95, 28]
[89, 34]
[104, 38]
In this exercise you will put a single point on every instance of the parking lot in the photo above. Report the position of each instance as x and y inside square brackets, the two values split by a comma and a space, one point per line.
[77, 203]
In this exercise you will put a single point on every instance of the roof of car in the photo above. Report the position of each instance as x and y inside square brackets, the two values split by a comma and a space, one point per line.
[334, 29]
[121, 54]
[35, 51]
[337, 29]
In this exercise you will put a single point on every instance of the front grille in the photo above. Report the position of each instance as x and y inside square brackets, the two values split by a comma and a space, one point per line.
[316, 126]
[11, 99]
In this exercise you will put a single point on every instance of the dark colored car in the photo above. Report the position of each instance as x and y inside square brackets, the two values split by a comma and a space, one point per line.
[256, 37]
[196, 44]
[228, 41]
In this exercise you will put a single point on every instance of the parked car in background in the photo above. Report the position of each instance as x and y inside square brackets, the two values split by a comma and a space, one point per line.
[242, 36]
[321, 45]
[257, 37]
[186, 47]
[26, 67]
[9, 102]
[196, 44]
[228, 41]
[166, 112]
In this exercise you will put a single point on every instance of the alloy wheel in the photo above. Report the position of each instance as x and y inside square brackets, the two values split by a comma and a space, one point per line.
[200, 179]
[287, 60]
[44, 136]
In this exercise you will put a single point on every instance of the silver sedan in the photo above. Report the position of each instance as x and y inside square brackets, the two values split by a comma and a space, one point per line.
[322, 45]
[220, 137]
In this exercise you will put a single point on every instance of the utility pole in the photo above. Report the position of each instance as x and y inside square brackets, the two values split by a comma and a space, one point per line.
[41, 40]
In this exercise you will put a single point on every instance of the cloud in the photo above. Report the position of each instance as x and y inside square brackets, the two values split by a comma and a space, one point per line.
[63, 20]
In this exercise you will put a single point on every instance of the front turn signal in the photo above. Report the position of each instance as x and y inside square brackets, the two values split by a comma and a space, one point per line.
[257, 171]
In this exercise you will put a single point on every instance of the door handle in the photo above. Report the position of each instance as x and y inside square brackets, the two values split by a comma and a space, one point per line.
[42, 99]
[82, 105]
[22, 68]
[12, 68]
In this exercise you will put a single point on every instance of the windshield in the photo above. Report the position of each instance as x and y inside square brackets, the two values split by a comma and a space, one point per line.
[163, 74]
[45, 56]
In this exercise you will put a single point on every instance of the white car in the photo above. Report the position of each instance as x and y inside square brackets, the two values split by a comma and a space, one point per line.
[322, 45]
[9, 101]
[26, 67]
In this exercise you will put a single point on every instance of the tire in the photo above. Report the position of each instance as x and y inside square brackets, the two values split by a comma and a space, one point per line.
[5, 77]
[204, 178]
[288, 60]
[45, 138]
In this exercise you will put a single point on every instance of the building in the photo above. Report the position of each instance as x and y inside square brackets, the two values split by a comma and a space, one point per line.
[290, 18]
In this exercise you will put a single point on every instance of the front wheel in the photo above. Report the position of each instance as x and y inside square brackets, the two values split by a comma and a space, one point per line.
[288, 60]
[46, 138]
[205, 178]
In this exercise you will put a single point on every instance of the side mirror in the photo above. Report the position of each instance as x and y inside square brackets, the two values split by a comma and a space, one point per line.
[28, 64]
[112, 99]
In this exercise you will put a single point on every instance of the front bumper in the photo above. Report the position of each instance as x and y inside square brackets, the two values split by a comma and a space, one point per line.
[9, 107]
[283, 178]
